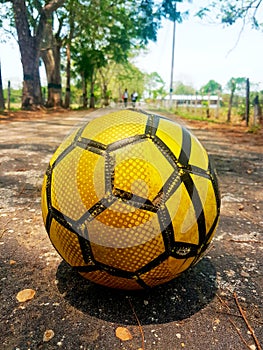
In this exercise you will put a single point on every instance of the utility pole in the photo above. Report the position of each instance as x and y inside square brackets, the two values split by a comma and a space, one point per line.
[172, 67]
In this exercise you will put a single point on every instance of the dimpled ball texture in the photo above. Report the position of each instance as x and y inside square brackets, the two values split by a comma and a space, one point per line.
[130, 200]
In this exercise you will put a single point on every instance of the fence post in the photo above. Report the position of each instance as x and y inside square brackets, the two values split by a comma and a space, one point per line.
[218, 104]
[247, 101]
[2, 101]
[8, 95]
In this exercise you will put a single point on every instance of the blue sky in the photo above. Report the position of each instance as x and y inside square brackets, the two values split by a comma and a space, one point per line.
[202, 52]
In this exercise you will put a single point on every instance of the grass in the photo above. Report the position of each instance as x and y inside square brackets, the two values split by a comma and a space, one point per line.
[200, 115]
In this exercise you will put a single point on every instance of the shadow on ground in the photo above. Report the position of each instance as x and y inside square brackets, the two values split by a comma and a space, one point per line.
[174, 301]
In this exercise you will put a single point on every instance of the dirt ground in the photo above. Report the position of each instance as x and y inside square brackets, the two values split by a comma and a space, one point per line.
[215, 305]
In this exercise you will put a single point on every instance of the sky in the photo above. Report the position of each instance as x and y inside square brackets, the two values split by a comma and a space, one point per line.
[202, 52]
[205, 51]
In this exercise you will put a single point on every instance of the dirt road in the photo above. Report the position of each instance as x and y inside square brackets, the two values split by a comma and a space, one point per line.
[215, 305]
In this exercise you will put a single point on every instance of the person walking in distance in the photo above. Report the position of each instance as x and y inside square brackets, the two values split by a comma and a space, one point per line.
[134, 96]
[125, 97]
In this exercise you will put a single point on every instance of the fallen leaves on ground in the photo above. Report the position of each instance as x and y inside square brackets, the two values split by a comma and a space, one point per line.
[123, 333]
[25, 295]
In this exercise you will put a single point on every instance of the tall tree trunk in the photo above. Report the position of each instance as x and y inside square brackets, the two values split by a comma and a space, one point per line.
[84, 92]
[68, 52]
[50, 54]
[105, 95]
[2, 101]
[92, 88]
[230, 105]
[29, 49]
[52, 59]
[106, 76]
[29, 46]
[67, 94]
[92, 96]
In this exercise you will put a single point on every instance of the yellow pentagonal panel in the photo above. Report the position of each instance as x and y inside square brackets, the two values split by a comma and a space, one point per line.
[141, 169]
[115, 126]
[198, 156]
[171, 134]
[64, 145]
[44, 204]
[183, 217]
[206, 193]
[131, 258]
[67, 244]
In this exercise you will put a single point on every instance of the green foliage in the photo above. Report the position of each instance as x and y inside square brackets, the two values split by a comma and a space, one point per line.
[229, 12]
[154, 85]
[127, 76]
[182, 89]
[15, 95]
[238, 84]
[211, 87]
[254, 129]
[102, 34]
[169, 11]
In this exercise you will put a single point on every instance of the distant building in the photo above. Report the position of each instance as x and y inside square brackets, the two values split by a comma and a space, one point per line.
[193, 100]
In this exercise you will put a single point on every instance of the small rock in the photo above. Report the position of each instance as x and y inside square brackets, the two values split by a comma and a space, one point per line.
[49, 334]
[244, 274]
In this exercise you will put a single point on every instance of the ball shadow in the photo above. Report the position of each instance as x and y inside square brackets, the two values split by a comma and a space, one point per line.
[174, 301]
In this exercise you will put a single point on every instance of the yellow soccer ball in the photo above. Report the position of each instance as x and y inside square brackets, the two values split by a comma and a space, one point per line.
[130, 200]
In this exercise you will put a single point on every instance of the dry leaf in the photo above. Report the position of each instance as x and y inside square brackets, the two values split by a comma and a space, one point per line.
[25, 295]
[49, 334]
[12, 262]
[123, 333]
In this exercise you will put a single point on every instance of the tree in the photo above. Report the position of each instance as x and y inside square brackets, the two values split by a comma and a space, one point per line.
[212, 87]
[126, 75]
[229, 12]
[115, 30]
[51, 55]
[108, 35]
[154, 84]
[182, 89]
[30, 20]
[112, 28]
[233, 85]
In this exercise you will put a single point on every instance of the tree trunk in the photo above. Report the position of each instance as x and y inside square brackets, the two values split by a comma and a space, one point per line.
[51, 58]
[230, 105]
[68, 52]
[84, 92]
[67, 94]
[105, 95]
[92, 96]
[50, 54]
[29, 49]
[29, 46]
[2, 101]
